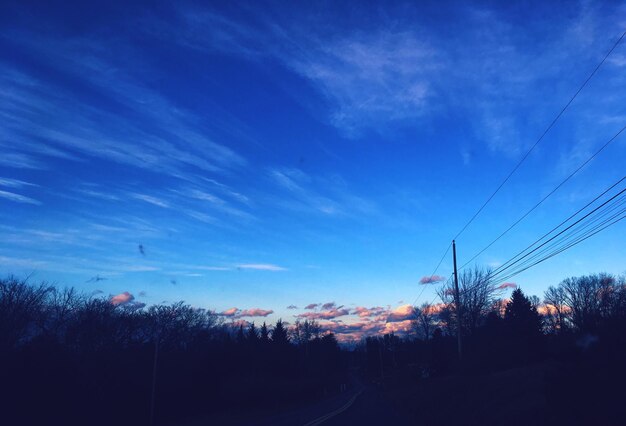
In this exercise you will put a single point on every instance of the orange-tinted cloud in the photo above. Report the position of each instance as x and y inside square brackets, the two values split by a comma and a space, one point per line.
[398, 327]
[122, 298]
[126, 300]
[546, 309]
[364, 312]
[401, 313]
[433, 309]
[230, 312]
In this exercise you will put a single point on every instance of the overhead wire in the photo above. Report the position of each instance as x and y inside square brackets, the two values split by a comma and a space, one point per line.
[550, 126]
[555, 189]
[565, 242]
[589, 235]
[510, 262]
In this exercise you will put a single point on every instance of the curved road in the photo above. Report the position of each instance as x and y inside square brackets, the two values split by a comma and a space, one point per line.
[363, 405]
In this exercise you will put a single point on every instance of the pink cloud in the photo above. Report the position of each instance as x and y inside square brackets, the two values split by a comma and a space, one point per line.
[401, 327]
[252, 312]
[311, 306]
[122, 298]
[364, 312]
[434, 309]
[255, 312]
[329, 305]
[329, 314]
[431, 279]
[355, 329]
[230, 312]
[504, 286]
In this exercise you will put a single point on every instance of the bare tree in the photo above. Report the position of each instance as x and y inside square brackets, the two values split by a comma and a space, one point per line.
[589, 300]
[303, 332]
[22, 310]
[424, 322]
[555, 313]
[476, 293]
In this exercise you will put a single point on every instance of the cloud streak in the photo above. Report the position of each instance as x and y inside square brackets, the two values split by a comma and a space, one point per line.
[236, 313]
[261, 267]
[432, 279]
[11, 196]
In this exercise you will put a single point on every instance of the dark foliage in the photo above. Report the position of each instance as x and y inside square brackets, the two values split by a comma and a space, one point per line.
[563, 366]
[68, 359]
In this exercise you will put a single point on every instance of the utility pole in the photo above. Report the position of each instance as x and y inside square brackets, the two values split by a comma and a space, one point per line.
[458, 304]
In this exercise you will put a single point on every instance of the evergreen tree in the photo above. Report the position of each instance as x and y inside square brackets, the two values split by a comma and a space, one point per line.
[240, 335]
[265, 335]
[252, 335]
[279, 334]
[521, 317]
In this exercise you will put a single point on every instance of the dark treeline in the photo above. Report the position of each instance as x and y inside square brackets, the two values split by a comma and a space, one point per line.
[66, 358]
[525, 361]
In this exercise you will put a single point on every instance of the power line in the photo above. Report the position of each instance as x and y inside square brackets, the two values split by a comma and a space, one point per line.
[566, 247]
[511, 262]
[547, 196]
[504, 266]
[572, 236]
[552, 123]
[573, 233]
[429, 280]
[433, 274]
[582, 86]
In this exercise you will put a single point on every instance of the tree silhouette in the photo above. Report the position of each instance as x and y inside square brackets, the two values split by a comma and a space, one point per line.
[252, 334]
[264, 335]
[279, 334]
[241, 337]
[520, 316]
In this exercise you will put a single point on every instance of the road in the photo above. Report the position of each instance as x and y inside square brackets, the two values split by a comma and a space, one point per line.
[364, 404]
[369, 408]
[361, 404]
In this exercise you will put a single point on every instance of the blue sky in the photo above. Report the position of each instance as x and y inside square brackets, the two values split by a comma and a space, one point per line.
[266, 154]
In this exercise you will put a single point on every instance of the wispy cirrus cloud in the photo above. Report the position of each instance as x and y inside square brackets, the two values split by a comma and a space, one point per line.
[151, 200]
[413, 70]
[18, 198]
[261, 267]
[15, 183]
[19, 160]
[155, 135]
[328, 195]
